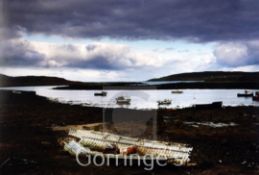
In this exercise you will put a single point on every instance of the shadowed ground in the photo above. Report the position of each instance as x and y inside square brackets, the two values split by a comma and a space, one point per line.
[29, 145]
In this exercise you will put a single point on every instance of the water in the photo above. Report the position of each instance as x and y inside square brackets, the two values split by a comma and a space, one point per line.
[142, 99]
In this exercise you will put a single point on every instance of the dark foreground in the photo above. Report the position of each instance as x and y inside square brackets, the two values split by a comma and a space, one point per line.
[28, 145]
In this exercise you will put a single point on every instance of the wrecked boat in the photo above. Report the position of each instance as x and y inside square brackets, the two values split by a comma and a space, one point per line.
[122, 147]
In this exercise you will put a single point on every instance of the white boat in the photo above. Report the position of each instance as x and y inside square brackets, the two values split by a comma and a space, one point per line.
[164, 102]
[95, 142]
[123, 100]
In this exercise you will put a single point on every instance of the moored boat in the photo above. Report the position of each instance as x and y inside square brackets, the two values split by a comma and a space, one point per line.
[256, 97]
[123, 100]
[245, 94]
[176, 92]
[102, 93]
[164, 102]
[213, 105]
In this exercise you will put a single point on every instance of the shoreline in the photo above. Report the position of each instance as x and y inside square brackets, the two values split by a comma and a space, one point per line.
[27, 121]
[141, 86]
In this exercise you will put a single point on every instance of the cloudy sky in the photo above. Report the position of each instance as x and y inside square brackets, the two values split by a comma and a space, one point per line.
[111, 40]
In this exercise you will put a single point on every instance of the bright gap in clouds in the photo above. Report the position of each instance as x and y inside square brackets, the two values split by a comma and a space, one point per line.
[123, 60]
[113, 60]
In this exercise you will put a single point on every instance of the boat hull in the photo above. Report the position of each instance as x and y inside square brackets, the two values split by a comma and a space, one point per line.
[123, 101]
[214, 105]
[173, 153]
[103, 94]
[245, 95]
[176, 92]
[256, 98]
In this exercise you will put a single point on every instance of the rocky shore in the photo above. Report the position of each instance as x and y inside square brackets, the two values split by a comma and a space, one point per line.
[225, 140]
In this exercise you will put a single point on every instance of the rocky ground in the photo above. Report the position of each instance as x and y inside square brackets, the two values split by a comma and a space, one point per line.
[28, 144]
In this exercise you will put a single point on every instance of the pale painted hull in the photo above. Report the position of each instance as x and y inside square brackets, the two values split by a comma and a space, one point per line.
[174, 153]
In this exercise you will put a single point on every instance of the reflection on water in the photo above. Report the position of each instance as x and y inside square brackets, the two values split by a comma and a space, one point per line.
[146, 99]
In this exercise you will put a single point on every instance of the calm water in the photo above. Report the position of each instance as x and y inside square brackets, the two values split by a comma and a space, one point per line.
[144, 99]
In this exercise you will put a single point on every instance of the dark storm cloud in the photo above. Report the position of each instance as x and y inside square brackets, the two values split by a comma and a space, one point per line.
[105, 58]
[97, 62]
[199, 20]
[19, 54]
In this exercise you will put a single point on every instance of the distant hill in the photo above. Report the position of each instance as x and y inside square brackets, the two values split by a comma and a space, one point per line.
[32, 81]
[206, 80]
[216, 76]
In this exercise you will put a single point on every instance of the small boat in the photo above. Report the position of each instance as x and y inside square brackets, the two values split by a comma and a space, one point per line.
[102, 93]
[113, 146]
[256, 97]
[123, 100]
[245, 94]
[176, 92]
[214, 105]
[164, 102]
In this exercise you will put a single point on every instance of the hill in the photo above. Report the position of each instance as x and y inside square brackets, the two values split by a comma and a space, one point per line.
[204, 80]
[212, 76]
[32, 81]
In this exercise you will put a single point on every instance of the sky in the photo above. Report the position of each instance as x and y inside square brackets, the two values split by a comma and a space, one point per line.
[127, 40]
